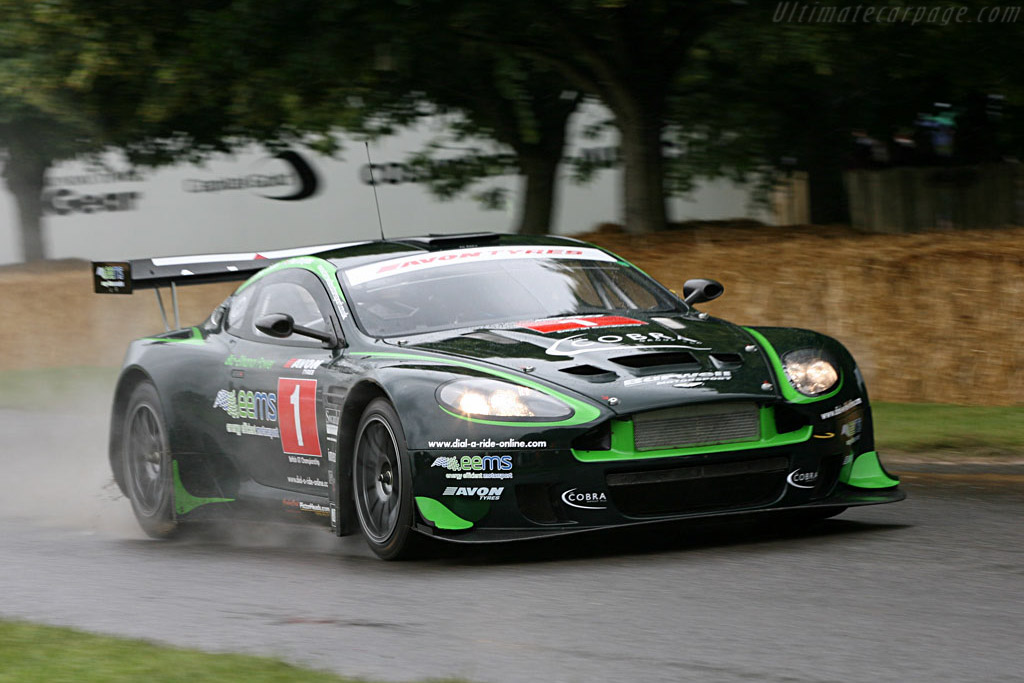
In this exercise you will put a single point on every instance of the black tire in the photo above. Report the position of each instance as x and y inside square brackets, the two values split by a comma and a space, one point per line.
[382, 483]
[146, 461]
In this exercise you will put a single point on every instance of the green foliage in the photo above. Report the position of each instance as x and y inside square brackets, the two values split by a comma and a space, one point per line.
[763, 97]
[43, 653]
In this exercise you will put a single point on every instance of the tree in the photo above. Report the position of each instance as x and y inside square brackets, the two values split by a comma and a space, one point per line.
[765, 97]
[41, 117]
[486, 92]
[629, 53]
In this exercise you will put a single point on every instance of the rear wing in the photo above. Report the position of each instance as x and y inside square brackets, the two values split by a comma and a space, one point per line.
[124, 277]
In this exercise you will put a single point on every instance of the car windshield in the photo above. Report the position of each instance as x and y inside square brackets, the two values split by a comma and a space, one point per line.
[471, 288]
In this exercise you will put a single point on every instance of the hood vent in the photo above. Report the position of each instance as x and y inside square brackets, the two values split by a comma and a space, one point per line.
[677, 359]
[726, 361]
[590, 372]
[488, 336]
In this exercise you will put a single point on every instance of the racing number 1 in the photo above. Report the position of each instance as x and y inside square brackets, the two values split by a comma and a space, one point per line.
[299, 430]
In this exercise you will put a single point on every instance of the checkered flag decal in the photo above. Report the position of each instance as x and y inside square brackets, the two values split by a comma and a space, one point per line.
[226, 400]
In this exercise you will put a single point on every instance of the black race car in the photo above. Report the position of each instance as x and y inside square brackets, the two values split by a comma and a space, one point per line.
[476, 388]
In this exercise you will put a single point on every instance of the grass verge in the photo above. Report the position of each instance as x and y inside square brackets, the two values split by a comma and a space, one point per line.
[43, 653]
[45, 388]
[931, 426]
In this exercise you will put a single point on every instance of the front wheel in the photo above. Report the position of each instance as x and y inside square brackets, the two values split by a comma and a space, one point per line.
[382, 483]
[147, 463]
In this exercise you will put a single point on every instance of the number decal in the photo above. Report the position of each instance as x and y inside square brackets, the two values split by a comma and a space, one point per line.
[294, 400]
[299, 430]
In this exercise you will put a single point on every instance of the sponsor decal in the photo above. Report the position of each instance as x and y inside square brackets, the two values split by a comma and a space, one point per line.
[302, 506]
[802, 480]
[487, 443]
[851, 431]
[332, 457]
[475, 466]
[580, 323]
[244, 428]
[406, 264]
[839, 410]
[308, 481]
[682, 379]
[579, 343]
[248, 405]
[300, 460]
[244, 361]
[299, 177]
[333, 420]
[242, 404]
[112, 278]
[62, 202]
[296, 422]
[478, 492]
[307, 365]
[586, 500]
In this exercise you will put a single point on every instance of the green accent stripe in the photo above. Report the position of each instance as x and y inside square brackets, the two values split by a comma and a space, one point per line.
[441, 517]
[185, 502]
[318, 266]
[195, 338]
[789, 392]
[867, 473]
[623, 447]
[582, 412]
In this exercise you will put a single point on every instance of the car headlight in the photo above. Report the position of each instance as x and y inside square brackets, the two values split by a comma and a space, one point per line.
[491, 398]
[810, 371]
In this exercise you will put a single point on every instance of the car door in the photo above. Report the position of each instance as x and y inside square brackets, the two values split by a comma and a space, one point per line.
[279, 396]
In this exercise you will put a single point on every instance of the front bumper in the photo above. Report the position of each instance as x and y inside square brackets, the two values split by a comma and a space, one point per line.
[463, 496]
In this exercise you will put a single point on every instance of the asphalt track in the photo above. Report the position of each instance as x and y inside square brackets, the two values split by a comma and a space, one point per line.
[930, 589]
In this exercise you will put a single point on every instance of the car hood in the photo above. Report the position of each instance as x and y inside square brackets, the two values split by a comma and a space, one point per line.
[644, 362]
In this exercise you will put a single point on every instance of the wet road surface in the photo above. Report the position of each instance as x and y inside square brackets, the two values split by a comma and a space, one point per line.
[928, 589]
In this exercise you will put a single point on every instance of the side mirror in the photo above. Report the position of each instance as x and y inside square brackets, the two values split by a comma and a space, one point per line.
[699, 291]
[282, 325]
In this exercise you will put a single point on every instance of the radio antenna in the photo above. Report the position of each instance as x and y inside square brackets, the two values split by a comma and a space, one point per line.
[374, 183]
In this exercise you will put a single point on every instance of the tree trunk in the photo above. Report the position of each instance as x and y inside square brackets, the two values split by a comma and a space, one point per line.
[540, 191]
[826, 192]
[25, 172]
[642, 170]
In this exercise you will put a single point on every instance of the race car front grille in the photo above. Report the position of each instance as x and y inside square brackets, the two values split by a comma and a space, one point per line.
[699, 488]
[698, 425]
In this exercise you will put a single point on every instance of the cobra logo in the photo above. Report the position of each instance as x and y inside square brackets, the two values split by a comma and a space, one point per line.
[585, 501]
[802, 480]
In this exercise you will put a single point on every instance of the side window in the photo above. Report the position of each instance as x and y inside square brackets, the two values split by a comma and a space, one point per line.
[293, 299]
[294, 291]
[238, 305]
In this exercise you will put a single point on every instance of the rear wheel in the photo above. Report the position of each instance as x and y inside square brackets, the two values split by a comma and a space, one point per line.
[147, 463]
[382, 483]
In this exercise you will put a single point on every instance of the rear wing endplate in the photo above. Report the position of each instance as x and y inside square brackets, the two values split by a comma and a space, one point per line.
[124, 277]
